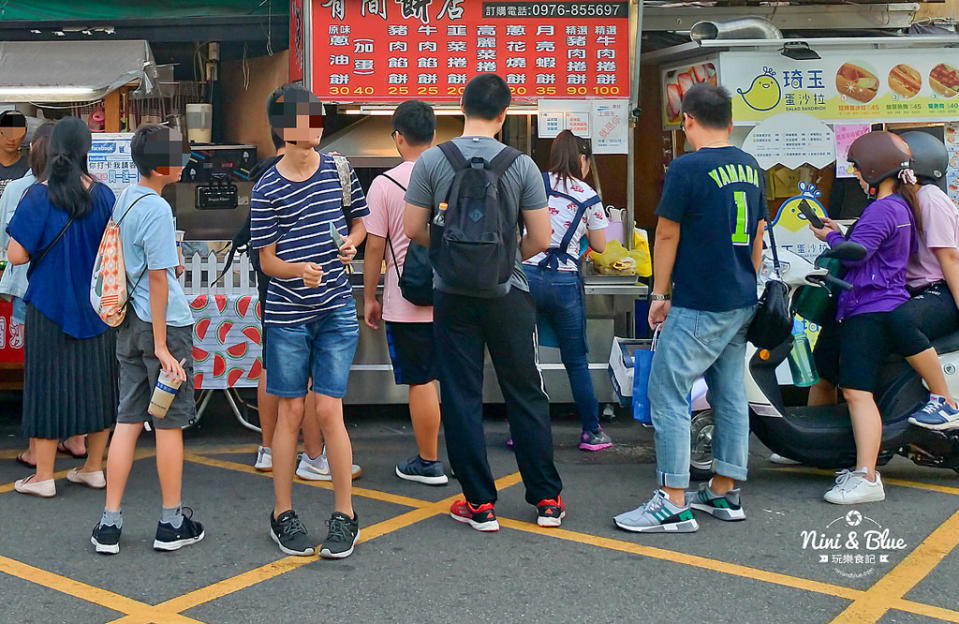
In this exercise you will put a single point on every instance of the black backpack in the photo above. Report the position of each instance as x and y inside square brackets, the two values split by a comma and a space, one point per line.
[416, 280]
[473, 243]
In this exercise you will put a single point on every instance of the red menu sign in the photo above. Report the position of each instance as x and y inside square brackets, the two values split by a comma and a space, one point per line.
[393, 50]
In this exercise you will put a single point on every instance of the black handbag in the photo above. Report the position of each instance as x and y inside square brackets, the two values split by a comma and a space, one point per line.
[772, 325]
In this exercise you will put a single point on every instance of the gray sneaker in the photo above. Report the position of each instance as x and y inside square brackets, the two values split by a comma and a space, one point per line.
[417, 469]
[658, 515]
[726, 507]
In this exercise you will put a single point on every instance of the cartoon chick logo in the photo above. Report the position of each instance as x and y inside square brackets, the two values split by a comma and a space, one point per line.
[790, 217]
[764, 93]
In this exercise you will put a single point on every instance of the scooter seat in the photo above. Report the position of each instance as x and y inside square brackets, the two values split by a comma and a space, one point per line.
[947, 344]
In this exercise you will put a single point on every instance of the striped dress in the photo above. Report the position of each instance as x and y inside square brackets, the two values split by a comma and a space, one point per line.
[297, 217]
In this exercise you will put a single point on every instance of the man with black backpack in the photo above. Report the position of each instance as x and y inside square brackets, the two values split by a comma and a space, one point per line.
[469, 200]
[409, 319]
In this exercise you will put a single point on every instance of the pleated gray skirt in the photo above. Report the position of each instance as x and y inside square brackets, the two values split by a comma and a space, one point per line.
[70, 384]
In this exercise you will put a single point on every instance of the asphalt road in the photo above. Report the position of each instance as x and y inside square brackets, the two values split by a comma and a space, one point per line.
[415, 564]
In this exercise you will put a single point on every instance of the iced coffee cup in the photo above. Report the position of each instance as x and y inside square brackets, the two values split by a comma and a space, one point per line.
[163, 394]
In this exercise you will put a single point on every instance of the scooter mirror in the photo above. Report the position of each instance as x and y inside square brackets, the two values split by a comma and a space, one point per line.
[846, 250]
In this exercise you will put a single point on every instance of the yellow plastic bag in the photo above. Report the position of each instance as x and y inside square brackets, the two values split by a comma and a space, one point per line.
[615, 260]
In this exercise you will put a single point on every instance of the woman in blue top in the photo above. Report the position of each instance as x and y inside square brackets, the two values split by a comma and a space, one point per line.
[575, 211]
[70, 373]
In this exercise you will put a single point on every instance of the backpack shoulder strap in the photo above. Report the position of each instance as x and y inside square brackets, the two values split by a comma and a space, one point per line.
[504, 160]
[346, 181]
[391, 179]
[130, 207]
[453, 155]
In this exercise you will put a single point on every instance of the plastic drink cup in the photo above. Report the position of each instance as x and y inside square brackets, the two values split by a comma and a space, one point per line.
[802, 364]
[163, 394]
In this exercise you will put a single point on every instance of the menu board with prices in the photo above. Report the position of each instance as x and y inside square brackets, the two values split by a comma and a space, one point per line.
[111, 162]
[844, 86]
[393, 50]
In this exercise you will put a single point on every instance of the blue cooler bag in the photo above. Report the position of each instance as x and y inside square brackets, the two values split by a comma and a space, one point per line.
[642, 363]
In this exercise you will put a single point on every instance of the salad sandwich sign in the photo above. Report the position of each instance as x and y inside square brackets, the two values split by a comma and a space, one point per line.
[842, 86]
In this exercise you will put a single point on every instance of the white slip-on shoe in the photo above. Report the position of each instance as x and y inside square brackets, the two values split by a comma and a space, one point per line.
[32, 487]
[94, 480]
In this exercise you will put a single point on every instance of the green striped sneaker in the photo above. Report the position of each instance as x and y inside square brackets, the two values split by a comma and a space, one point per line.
[726, 507]
[658, 515]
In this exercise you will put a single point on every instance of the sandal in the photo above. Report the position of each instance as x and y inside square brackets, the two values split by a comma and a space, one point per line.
[62, 448]
[23, 462]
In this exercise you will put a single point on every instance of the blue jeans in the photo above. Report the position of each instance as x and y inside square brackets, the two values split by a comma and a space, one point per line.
[693, 343]
[322, 349]
[559, 300]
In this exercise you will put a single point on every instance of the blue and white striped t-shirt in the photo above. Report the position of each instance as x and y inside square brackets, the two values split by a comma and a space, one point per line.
[297, 216]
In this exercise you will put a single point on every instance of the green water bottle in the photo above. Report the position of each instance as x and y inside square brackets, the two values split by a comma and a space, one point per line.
[801, 361]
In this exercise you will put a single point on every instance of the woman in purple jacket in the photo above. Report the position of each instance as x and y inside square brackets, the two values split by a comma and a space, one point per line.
[849, 352]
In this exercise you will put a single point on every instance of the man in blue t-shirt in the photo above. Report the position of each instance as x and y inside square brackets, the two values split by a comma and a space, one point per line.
[708, 250]
[305, 242]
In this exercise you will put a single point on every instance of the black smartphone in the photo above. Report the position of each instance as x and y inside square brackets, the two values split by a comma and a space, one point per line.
[810, 214]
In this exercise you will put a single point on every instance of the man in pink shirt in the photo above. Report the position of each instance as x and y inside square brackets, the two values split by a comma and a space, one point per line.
[409, 327]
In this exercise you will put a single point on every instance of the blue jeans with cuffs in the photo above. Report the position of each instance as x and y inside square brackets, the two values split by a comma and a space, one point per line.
[693, 343]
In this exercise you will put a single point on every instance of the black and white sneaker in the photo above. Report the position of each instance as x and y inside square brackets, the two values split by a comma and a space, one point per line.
[342, 537]
[106, 539]
[290, 535]
[169, 538]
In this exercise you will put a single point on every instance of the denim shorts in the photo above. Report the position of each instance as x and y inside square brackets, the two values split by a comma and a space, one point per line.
[322, 349]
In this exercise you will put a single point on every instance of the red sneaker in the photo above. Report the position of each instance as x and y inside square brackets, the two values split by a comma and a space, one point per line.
[550, 512]
[481, 518]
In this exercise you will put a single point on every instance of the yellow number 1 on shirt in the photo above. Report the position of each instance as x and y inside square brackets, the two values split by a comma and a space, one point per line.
[741, 236]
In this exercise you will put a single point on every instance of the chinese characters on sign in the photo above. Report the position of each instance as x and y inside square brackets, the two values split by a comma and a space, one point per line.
[791, 140]
[843, 86]
[110, 160]
[391, 50]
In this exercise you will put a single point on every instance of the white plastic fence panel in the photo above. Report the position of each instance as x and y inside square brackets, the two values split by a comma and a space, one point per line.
[201, 271]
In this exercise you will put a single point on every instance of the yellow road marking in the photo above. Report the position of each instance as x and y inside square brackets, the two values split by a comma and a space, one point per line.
[235, 449]
[902, 578]
[926, 610]
[885, 595]
[919, 485]
[686, 559]
[288, 564]
[89, 593]
[385, 497]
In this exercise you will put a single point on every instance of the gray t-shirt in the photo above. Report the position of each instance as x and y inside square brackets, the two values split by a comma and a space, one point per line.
[433, 175]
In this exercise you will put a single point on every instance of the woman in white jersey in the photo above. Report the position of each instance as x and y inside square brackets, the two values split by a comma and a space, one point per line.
[554, 277]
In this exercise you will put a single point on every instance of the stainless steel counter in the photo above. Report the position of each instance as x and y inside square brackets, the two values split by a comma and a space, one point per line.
[609, 312]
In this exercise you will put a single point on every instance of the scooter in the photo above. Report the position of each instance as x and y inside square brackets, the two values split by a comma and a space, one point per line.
[822, 437]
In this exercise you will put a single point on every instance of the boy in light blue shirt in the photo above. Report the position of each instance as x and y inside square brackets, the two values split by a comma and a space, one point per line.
[157, 334]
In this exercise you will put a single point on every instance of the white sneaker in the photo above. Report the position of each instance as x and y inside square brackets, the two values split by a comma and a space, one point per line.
[30, 485]
[264, 459]
[852, 487]
[93, 480]
[782, 460]
[319, 469]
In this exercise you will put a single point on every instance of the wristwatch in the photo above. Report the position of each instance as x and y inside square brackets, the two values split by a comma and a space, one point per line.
[655, 297]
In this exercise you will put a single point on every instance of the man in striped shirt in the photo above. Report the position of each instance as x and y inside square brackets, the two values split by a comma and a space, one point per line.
[305, 240]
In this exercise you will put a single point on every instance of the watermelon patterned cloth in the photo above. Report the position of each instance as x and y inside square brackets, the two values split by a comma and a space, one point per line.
[226, 341]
